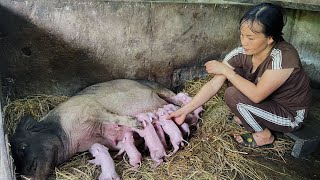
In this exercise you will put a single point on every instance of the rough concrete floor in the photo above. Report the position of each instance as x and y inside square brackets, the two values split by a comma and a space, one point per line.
[297, 169]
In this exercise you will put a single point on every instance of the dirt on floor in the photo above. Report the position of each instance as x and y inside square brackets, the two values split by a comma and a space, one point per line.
[307, 168]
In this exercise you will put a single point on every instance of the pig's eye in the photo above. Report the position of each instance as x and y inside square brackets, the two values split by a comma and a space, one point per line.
[22, 146]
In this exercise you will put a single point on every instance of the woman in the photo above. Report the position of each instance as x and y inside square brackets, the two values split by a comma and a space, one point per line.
[270, 88]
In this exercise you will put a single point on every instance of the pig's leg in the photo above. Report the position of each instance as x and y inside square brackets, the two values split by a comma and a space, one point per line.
[159, 89]
[107, 176]
[120, 152]
[184, 141]
[163, 92]
[134, 159]
[134, 155]
[152, 115]
[157, 163]
[134, 163]
[175, 147]
[95, 162]
[160, 123]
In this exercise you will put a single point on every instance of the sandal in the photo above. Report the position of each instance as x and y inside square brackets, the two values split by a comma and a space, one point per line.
[248, 141]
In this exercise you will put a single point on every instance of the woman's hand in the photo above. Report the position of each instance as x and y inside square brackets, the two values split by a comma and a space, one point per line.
[215, 67]
[179, 116]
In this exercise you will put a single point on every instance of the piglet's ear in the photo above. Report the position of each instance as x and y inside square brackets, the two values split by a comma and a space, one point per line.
[27, 122]
[107, 149]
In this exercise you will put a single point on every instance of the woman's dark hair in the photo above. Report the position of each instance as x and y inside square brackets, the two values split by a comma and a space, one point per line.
[270, 16]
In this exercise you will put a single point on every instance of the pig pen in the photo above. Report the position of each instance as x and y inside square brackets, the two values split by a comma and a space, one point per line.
[58, 48]
[210, 154]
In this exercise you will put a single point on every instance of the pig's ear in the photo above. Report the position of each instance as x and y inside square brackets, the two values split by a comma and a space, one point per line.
[107, 149]
[144, 123]
[26, 123]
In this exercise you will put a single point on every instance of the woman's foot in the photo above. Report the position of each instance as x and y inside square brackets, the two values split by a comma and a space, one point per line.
[256, 139]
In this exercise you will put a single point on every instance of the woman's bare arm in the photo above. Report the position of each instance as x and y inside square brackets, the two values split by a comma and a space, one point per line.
[205, 93]
[270, 81]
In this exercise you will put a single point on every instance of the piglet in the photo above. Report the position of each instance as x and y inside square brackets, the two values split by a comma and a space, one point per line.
[127, 145]
[156, 149]
[191, 119]
[158, 129]
[184, 127]
[103, 159]
[185, 130]
[170, 108]
[171, 129]
[185, 99]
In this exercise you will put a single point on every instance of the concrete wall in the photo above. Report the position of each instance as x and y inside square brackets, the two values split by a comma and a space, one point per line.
[306, 38]
[61, 47]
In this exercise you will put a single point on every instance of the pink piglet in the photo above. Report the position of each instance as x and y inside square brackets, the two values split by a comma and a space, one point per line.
[127, 145]
[103, 159]
[171, 129]
[156, 149]
[158, 129]
[185, 99]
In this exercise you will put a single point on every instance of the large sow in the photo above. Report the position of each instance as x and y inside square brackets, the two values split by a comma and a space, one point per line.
[101, 113]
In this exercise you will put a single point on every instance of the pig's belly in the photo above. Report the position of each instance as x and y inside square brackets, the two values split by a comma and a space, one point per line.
[131, 102]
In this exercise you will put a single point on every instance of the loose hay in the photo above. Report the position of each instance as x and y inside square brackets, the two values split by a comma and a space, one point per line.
[211, 153]
[37, 106]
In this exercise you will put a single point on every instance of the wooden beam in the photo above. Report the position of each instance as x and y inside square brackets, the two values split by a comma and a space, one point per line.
[6, 167]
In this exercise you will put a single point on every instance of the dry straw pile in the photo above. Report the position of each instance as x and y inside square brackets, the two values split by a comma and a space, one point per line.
[36, 106]
[211, 153]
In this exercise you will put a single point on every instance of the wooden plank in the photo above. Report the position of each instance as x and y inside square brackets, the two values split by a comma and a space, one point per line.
[307, 138]
[6, 167]
[309, 5]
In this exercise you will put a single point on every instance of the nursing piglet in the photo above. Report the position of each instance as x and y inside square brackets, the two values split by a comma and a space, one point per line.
[103, 159]
[171, 129]
[185, 99]
[170, 108]
[158, 129]
[185, 130]
[184, 127]
[156, 149]
[127, 145]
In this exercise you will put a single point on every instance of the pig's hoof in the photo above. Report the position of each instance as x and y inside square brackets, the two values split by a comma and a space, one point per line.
[134, 168]
[156, 164]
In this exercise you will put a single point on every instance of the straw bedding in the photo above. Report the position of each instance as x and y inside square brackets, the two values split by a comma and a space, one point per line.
[211, 153]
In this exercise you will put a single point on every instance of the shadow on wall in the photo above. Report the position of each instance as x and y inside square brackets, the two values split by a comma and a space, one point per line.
[42, 63]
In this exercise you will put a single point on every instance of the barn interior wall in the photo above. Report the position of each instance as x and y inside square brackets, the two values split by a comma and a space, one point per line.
[63, 46]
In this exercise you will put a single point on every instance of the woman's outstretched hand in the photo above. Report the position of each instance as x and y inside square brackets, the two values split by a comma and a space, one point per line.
[215, 67]
[178, 116]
